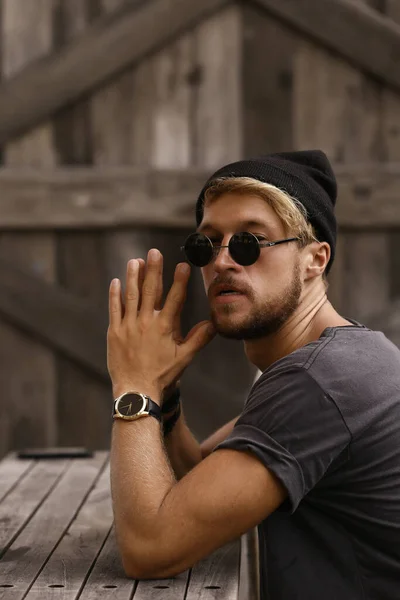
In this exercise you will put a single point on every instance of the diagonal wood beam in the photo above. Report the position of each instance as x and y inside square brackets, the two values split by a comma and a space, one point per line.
[363, 36]
[59, 319]
[84, 198]
[115, 42]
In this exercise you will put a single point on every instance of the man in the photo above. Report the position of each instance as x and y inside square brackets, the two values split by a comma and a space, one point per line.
[314, 458]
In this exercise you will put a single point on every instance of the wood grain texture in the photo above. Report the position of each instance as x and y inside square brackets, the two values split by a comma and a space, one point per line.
[163, 589]
[47, 526]
[81, 267]
[21, 503]
[343, 26]
[11, 471]
[124, 39]
[249, 578]
[107, 580]
[60, 319]
[216, 575]
[78, 199]
[269, 49]
[218, 114]
[70, 564]
[27, 32]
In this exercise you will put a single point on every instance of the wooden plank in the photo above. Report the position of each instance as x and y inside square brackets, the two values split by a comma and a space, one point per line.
[345, 31]
[21, 503]
[218, 117]
[11, 472]
[113, 197]
[387, 321]
[339, 110]
[391, 136]
[100, 198]
[47, 526]
[367, 274]
[163, 589]
[66, 323]
[107, 580]
[220, 571]
[124, 38]
[81, 268]
[70, 564]
[27, 36]
[336, 110]
[269, 48]
[249, 577]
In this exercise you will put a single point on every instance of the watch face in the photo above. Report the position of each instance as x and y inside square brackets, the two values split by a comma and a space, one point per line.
[130, 404]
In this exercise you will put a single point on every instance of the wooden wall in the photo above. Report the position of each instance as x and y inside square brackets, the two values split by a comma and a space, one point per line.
[169, 112]
[240, 83]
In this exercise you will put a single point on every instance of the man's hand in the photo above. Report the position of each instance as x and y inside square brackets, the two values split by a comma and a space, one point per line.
[145, 348]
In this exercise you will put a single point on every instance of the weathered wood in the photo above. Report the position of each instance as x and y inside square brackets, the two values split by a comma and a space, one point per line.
[20, 504]
[27, 33]
[391, 139]
[218, 114]
[344, 26]
[107, 580]
[124, 38]
[81, 266]
[70, 564]
[163, 589]
[81, 198]
[219, 572]
[60, 319]
[249, 579]
[387, 321]
[47, 526]
[11, 471]
[269, 50]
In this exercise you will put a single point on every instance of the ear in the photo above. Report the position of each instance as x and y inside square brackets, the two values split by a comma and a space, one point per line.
[316, 260]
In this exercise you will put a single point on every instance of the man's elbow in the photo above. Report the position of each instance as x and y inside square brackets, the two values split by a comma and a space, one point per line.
[146, 562]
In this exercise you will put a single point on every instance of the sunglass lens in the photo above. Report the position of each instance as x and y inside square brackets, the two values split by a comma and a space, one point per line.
[198, 250]
[244, 248]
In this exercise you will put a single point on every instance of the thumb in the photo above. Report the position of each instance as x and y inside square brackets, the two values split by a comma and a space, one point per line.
[199, 336]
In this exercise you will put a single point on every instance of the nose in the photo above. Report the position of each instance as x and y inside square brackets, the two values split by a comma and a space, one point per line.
[223, 259]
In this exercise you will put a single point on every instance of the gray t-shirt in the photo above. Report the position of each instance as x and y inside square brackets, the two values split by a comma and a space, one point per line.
[326, 420]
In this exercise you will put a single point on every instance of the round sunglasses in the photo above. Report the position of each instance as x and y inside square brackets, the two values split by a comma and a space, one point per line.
[244, 248]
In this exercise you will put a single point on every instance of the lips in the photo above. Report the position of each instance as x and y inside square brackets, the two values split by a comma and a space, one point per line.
[225, 288]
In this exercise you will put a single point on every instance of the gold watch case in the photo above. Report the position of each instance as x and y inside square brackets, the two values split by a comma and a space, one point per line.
[137, 415]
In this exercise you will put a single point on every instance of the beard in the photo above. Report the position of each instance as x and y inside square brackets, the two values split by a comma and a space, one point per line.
[263, 320]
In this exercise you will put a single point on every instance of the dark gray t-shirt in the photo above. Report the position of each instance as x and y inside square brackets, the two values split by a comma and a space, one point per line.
[326, 420]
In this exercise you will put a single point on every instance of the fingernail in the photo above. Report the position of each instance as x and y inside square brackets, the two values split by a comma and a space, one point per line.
[184, 268]
[154, 254]
[115, 283]
[133, 264]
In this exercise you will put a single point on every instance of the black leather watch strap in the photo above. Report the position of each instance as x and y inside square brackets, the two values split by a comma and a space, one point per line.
[153, 409]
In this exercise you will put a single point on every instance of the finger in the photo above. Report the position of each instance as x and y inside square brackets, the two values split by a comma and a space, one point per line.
[159, 296]
[131, 289]
[151, 282]
[200, 335]
[114, 303]
[177, 294]
[121, 297]
[142, 272]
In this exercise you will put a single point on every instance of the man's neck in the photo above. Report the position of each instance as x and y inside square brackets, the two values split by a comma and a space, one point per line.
[313, 315]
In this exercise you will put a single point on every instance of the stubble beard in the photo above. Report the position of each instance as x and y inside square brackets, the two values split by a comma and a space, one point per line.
[263, 320]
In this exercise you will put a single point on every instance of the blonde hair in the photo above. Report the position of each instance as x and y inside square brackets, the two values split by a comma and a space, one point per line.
[290, 211]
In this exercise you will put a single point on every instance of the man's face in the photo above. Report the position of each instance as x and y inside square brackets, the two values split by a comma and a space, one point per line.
[271, 287]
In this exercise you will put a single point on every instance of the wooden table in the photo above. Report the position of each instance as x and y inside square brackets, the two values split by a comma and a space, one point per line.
[57, 541]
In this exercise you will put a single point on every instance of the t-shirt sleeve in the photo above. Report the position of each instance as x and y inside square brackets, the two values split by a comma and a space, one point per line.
[293, 427]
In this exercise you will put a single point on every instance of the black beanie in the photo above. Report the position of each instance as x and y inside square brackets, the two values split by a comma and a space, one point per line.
[305, 175]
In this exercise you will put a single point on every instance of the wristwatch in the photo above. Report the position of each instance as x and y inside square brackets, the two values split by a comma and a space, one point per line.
[131, 406]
